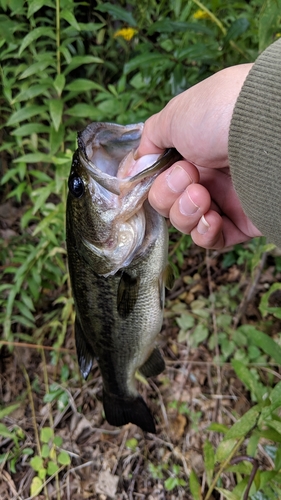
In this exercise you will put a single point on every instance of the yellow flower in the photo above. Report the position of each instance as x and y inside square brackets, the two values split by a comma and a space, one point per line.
[126, 33]
[200, 14]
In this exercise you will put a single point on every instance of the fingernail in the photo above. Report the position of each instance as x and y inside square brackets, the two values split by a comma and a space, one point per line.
[186, 205]
[202, 226]
[178, 179]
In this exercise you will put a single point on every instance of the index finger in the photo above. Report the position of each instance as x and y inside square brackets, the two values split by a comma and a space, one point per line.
[154, 137]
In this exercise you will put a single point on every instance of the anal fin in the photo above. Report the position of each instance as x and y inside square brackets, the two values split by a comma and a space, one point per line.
[121, 411]
[85, 353]
[154, 365]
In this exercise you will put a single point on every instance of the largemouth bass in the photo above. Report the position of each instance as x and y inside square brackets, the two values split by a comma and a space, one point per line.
[117, 255]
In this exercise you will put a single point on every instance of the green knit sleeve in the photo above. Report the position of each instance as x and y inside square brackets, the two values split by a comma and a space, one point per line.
[255, 144]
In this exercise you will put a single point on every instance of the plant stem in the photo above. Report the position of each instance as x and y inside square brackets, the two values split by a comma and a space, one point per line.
[58, 35]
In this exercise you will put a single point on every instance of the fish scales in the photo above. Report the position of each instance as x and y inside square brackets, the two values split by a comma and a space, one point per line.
[117, 254]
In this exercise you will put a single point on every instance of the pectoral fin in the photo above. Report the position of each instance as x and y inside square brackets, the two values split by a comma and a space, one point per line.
[85, 353]
[168, 277]
[127, 294]
[154, 365]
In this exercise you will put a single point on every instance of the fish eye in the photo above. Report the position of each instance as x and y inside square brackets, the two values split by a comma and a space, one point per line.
[76, 186]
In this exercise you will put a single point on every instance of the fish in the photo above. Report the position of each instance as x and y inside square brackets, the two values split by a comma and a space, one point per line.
[117, 247]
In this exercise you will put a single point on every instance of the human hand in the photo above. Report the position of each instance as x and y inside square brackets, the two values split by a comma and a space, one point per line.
[197, 193]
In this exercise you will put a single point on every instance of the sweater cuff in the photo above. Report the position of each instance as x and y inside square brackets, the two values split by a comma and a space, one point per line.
[255, 144]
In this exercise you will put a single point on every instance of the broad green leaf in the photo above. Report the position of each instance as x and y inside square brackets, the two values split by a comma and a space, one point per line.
[9, 409]
[45, 451]
[264, 342]
[118, 13]
[34, 35]
[30, 128]
[33, 91]
[194, 486]
[248, 378]
[78, 61]
[224, 449]
[264, 303]
[145, 59]
[35, 5]
[209, 460]
[36, 463]
[56, 138]
[56, 109]
[82, 85]
[70, 18]
[52, 468]
[229, 495]
[25, 113]
[37, 67]
[244, 424]
[218, 428]
[268, 22]
[36, 486]
[33, 158]
[59, 83]
[4, 432]
[46, 434]
[168, 26]
[64, 458]
[84, 110]
[237, 28]
[275, 424]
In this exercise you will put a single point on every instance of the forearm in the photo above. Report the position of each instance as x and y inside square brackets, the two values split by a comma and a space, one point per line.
[255, 144]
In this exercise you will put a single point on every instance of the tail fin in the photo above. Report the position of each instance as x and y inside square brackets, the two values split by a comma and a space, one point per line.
[119, 411]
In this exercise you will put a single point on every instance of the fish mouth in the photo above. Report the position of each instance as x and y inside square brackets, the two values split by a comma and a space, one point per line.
[106, 150]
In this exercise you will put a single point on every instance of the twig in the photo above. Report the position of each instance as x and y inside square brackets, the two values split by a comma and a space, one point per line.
[36, 346]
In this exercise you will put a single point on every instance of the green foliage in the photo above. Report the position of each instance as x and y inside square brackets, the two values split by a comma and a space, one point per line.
[49, 462]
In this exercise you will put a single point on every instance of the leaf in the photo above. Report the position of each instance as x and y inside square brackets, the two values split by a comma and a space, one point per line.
[244, 424]
[52, 468]
[264, 303]
[30, 128]
[78, 61]
[9, 409]
[64, 458]
[248, 378]
[36, 486]
[82, 85]
[56, 109]
[237, 28]
[35, 5]
[70, 18]
[194, 486]
[37, 67]
[45, 451]
[34, 35]
[25, 113]
[36, 463]
[229, 495]
[168, 26]
[118, 13]
[145, 59]
[264, 342]
[209, 460]
[84, 110]
[224, 449]
[46, 434]
[33, 158]
[268, 22]
[4, 432]
[59, 83]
